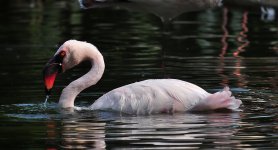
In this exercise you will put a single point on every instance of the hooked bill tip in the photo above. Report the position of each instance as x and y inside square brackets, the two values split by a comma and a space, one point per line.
[49, 75]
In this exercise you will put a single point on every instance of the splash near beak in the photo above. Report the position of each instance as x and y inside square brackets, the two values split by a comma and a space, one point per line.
[50, 71]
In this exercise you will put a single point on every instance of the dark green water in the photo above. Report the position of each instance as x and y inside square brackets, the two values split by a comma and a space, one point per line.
[211, 48]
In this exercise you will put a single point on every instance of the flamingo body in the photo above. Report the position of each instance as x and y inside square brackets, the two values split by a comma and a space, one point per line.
[152, 96]
[145, 97]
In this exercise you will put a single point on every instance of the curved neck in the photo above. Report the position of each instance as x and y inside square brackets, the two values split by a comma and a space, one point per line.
[90, 78]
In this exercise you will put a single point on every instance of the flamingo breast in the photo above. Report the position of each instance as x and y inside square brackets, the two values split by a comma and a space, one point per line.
[152, 96]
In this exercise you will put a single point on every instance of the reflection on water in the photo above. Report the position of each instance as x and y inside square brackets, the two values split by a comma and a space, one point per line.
[211, 48]
[175, 132]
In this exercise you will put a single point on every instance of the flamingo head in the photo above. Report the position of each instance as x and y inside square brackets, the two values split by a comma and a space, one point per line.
[65, 58]
[70, 54]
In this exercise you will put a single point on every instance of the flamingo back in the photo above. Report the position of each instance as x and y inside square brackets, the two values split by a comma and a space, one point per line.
[152, 96]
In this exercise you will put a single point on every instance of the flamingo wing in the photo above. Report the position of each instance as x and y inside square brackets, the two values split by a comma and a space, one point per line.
[152, 96]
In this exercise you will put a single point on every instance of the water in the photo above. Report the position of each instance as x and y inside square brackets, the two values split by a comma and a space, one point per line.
[210, 47]
[45, 101]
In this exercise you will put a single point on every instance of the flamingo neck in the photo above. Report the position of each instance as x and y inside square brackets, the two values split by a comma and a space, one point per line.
[70, 92]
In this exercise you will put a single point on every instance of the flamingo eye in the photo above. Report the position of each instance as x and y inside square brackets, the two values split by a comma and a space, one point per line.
[62, 54]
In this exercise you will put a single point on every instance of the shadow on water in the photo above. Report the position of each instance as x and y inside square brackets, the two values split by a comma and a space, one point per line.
[212, 44]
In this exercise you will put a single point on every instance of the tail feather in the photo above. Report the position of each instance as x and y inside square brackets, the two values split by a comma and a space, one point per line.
[219, 100]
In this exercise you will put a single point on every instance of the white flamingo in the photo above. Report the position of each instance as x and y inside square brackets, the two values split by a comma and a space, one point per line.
[145, 97]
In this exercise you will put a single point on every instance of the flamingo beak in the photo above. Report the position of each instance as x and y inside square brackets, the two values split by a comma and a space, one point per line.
[50, 71]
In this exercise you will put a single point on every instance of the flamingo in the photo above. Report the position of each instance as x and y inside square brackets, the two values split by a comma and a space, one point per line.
[146, 97]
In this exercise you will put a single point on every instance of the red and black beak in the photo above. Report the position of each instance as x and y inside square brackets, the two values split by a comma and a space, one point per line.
[50, 71]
